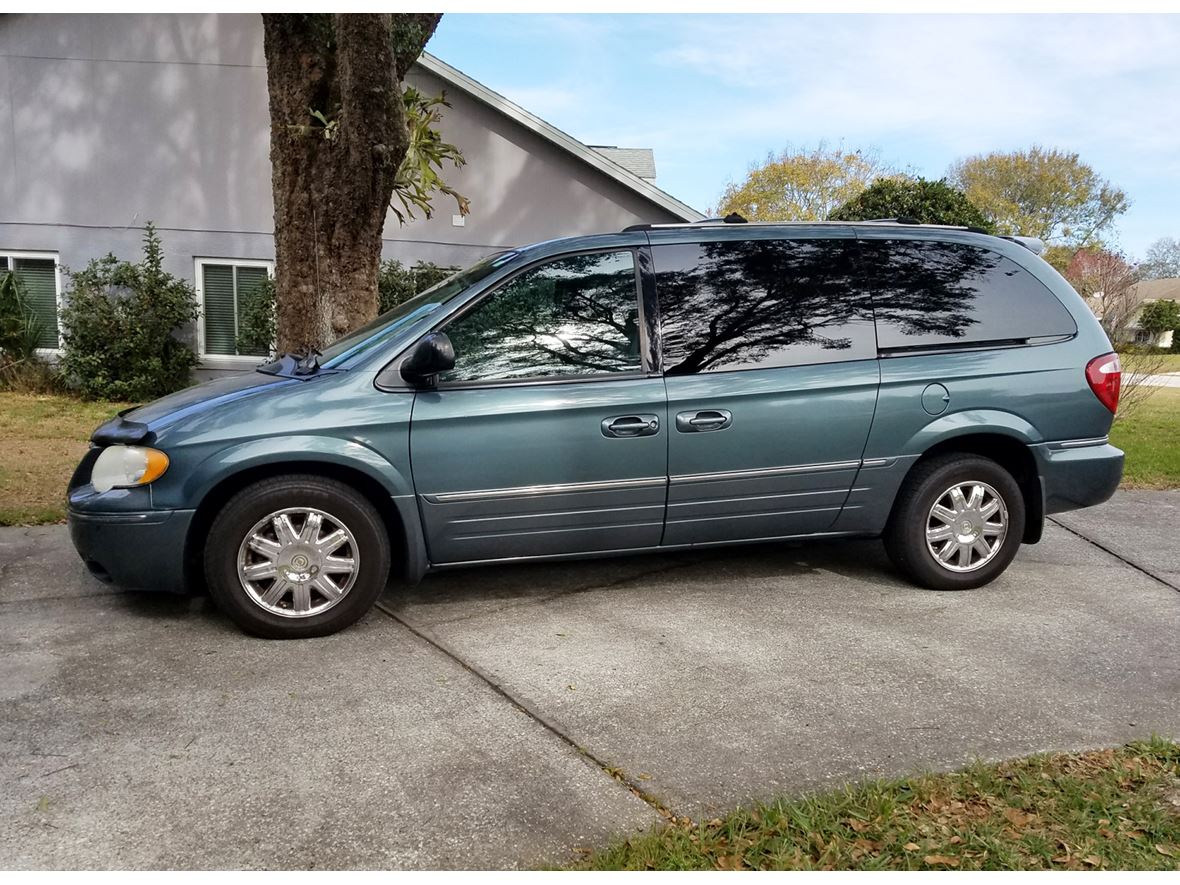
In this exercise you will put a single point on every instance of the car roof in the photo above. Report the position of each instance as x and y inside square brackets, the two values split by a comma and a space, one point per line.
[726, 229]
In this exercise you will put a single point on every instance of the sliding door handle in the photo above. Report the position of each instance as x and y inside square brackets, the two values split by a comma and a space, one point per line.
[626, 426]
[703, 421]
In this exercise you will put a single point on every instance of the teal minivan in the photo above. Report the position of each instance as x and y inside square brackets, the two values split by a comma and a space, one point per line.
[665, 387]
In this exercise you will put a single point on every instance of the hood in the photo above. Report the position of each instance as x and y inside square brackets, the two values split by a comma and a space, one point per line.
[139, 424]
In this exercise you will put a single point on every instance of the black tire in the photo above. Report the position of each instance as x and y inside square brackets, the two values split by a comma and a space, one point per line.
[905, 535]
[346, 506]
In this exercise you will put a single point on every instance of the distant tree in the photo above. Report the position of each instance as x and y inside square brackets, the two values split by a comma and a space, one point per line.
[1059, 256]
[802, 184]
[1162, 260]
[1107, 281]
[1041, 192]
[929, 202]
[1160, 316]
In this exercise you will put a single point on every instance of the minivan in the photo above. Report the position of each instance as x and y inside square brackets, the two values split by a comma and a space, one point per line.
[661, 388]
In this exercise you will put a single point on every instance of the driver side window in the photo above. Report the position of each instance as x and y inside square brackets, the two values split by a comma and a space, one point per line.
[578, 315]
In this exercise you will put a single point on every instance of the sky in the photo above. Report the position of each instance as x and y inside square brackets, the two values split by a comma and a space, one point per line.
[712, 94]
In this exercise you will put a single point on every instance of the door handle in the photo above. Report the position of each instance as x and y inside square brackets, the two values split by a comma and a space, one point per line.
[703, 421]
[626, 426]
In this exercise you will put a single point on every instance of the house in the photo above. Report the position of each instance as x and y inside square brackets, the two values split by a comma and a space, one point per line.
[110, 121]
[1143, 294]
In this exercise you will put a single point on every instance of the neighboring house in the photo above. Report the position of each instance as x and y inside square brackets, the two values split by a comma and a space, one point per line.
[1144, 293]
[110, 121]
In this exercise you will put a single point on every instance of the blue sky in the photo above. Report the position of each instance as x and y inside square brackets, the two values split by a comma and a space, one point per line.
[711, 94]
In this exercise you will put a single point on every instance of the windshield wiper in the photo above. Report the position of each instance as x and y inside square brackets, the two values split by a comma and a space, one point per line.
[297, 364]
[309, 364]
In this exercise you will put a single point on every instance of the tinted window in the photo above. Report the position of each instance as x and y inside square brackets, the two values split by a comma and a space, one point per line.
[761, 303]
[575, 316]
[929, 294]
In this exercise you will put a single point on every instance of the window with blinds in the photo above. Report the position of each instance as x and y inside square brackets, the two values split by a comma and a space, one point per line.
[226, 289]
[39, 277]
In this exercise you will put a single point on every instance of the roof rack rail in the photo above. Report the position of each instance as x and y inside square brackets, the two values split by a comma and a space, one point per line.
[731, 218]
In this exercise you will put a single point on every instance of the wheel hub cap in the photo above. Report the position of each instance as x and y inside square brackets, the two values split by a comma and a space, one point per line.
[966, 526]
[298, 562]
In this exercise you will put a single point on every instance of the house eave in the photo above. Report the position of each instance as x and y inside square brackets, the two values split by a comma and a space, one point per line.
[554, 135]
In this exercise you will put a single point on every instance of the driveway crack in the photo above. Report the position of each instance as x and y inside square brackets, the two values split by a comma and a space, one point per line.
[613, 772]
[1139, 568]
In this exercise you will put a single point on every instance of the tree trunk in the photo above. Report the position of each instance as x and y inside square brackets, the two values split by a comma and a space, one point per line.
[332, 182]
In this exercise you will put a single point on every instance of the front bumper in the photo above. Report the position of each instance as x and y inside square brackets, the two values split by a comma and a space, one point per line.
[1077, 475]
[141, 550]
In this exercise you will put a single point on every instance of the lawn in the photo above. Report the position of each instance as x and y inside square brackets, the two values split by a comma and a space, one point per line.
[1151, 438]
[1109, 809]
[1170, 362]
[43, 438]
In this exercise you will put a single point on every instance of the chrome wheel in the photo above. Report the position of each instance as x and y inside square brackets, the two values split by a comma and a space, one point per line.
[298, 562]
[966, 526]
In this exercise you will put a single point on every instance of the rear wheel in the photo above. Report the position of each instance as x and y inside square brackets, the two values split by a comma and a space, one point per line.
[296, 556]
[957, 523]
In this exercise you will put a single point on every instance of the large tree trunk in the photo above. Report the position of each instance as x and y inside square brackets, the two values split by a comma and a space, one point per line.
[332, 184]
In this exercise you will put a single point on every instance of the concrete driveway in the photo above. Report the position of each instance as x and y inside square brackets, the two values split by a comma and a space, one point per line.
[511, 716]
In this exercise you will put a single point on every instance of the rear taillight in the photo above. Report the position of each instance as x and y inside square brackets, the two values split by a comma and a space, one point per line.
[1105, 376]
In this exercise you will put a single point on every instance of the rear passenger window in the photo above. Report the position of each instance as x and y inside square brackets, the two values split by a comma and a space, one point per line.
[755, 304]
[946, 294]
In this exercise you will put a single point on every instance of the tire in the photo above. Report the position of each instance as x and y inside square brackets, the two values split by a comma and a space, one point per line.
[930, 483]
[294, 579]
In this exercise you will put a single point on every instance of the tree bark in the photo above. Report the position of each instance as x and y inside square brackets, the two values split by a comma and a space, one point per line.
[332, 183]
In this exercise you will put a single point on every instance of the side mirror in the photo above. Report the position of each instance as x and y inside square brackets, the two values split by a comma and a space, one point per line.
[434, 353]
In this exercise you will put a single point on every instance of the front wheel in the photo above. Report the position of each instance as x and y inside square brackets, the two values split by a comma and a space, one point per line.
[297, 556]
[957, 523]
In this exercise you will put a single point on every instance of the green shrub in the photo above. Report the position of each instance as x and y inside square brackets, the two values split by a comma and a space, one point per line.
[119, 328]
[398, 283]
[21, 367]
[20, 328]
[1158, 317]
[928, 202]
[257, 325]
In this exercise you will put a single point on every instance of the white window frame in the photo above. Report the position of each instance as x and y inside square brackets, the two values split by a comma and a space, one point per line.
[8, 254]
[223, 360]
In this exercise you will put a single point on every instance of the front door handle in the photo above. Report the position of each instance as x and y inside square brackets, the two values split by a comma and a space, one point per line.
[626, 426]
[703, 421]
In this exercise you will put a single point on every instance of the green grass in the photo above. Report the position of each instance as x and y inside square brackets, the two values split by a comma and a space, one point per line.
[1150, 436]
[1110, 809]
[1169, 362]
[43, 437]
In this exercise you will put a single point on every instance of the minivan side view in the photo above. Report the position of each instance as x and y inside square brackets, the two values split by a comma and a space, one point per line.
[661, 388]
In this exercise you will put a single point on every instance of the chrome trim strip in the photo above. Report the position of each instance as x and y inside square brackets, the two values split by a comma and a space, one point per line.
[760, 514]
[646, 482]
[555, 514]
[697, 502]
[766, 471]
[554, 489]
[1080, 443]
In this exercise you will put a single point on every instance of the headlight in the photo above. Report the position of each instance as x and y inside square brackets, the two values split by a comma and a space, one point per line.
[121, 466]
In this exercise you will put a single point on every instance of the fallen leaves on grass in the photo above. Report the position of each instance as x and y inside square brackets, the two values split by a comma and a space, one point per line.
[1108, 809]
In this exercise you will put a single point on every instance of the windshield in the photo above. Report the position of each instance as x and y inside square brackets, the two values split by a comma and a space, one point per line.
[383, 328]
